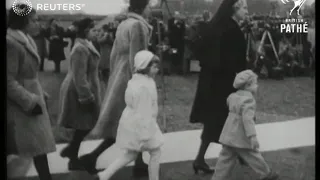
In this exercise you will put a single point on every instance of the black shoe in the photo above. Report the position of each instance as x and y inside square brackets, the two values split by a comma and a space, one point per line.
[75, 165]
[202, 167]
[140, 171]
[89, 164]
[271, 176]
[66, 152]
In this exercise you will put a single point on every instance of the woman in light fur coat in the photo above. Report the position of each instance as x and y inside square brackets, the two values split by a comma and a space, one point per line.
[29, 129]
[80, 91]
[133, 35]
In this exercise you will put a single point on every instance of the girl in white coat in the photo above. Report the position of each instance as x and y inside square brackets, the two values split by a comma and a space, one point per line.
[138, 130]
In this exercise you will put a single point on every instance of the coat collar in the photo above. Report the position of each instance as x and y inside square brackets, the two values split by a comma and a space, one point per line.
[25, 40]
[140, 18]
[88, 45]
[235, 20]
[245, 93]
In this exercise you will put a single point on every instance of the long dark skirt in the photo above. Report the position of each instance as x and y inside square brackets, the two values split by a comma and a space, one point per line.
[212, 129]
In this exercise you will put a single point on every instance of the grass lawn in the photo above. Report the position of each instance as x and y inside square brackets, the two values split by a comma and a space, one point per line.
[290, 164]
[277, 100]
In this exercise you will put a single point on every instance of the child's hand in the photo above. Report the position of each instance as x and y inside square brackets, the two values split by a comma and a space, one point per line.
[254, 143]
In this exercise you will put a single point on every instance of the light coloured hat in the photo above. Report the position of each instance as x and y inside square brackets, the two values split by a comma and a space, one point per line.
[243, 78]
[142, 59]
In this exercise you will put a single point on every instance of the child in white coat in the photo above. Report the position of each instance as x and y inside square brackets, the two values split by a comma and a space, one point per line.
[239, 137]
[138, 130]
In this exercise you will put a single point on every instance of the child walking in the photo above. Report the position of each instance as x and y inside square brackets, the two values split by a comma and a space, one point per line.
[138, 130]
[239, 137]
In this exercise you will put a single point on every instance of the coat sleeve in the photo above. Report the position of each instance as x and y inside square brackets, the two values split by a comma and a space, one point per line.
[15, 91]
[209, 47]
[80, 65]
[248, 115]
[233, 51]
[142, 104]
[138, 42]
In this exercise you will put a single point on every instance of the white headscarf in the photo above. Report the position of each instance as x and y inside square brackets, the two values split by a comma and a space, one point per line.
[142, 59]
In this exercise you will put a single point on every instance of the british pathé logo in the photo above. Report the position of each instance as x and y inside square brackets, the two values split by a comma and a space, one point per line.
[294, 24]
[22, 8]
[297, 4]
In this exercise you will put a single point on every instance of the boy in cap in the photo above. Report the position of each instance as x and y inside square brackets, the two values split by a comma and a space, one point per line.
[239, 137]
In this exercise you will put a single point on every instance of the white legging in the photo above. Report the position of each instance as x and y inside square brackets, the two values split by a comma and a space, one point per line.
[129, 156]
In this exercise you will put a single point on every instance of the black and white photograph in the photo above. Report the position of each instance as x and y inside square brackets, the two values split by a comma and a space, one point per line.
[160, 90]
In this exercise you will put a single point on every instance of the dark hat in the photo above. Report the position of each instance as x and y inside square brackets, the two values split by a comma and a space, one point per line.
[75, 23]
[84, 23]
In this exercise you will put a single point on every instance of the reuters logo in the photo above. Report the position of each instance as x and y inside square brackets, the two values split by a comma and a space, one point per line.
[22, 8]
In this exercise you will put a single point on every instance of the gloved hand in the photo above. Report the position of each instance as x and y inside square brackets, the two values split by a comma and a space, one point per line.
[254, 143]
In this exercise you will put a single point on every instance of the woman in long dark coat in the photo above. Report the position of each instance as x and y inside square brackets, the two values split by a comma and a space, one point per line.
[223, 55]
[41, 43]
[71, 33]
[55, 35]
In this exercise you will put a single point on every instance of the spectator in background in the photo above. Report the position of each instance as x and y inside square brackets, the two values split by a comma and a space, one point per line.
[29, 132]
[72, 33]
[105, 40]
[155, 34]
[311, 40]
[286, 55]
[311, 36]
[55, 35]
[41, 43]
[197, 29]
[95, 42]
[177, 29]
[206, 16]
[113, 28]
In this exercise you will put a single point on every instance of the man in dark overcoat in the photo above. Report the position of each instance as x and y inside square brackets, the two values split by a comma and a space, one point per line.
[176, 34]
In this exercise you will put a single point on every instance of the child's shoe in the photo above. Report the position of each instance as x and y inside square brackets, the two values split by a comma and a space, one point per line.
[271, 176]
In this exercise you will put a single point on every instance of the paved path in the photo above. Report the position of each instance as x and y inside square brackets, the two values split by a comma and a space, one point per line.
[183, 146]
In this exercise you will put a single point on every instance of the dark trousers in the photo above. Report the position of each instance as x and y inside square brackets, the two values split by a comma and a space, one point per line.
[57, 67]
[42, 63]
